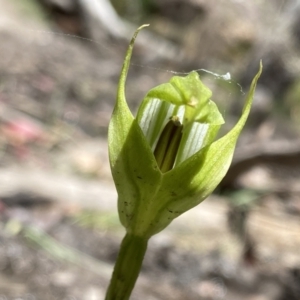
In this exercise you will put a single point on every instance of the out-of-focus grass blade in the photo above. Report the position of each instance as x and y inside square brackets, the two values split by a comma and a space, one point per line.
[65, 253]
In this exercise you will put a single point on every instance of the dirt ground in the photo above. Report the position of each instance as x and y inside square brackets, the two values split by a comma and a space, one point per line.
[59, 229]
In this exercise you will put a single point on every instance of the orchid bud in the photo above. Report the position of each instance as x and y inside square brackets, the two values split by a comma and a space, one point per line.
[166, 160]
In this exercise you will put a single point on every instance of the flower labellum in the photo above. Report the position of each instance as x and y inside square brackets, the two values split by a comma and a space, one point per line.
[166, 160]
[168, 144]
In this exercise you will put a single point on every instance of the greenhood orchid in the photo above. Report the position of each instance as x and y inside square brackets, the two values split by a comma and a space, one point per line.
[164, 161]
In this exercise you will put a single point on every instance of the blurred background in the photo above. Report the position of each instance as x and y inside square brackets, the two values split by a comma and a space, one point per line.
[59, 68]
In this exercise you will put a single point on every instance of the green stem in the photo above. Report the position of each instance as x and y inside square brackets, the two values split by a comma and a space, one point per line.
[127, 267]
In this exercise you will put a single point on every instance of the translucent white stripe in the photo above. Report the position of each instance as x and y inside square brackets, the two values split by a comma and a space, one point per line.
[153, 118]
[193, 140]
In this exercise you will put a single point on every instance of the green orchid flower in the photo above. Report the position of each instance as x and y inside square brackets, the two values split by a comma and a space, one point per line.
[165, 160]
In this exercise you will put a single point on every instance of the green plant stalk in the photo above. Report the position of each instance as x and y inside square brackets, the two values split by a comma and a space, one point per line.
[127, 267]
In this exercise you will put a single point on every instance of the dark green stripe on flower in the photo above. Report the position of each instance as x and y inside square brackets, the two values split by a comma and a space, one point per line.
[167, 146]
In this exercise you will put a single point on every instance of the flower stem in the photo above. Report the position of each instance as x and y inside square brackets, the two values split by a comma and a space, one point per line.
[127, 267]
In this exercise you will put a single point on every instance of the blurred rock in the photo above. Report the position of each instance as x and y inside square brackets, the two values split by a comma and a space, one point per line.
[292, 285]
[65, 5]
[181, 12]
[211, 289]
[66, 14]
[94, 293]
